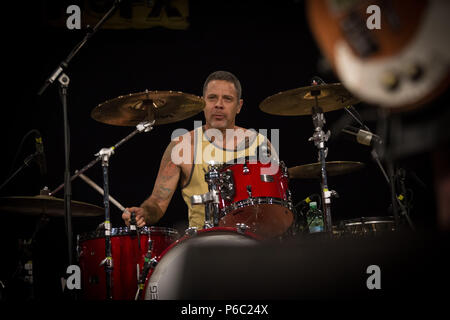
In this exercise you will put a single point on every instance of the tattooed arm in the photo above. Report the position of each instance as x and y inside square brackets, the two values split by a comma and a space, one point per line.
[154, 207]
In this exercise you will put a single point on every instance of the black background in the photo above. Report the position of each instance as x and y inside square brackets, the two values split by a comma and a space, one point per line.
[268, 46]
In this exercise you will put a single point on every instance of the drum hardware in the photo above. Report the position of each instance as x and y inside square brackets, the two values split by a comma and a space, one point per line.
[134, 228]
[245, 169]
[166, 276]
[211, 198]
[249, 192]
[319, 138]
[227, 190]
[104, 155]
[242, 227]
[191, 231]
[313, 100]
[127, 257]
[141, 127]
[266, 178]
[284, 170]
[264, 205]
[148, 263]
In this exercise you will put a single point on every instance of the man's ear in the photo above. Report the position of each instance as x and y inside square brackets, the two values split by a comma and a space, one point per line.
[241, 102]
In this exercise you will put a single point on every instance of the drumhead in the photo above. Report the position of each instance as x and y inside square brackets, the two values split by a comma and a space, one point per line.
[123, 231]
[365, 226]
[164, 282]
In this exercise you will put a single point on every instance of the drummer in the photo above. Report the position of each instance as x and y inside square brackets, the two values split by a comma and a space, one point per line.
[187, 157]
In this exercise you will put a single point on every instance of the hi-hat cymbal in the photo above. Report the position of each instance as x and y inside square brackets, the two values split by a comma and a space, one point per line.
[333, 168]
[48, 205]
[162, 106]
[299, 102]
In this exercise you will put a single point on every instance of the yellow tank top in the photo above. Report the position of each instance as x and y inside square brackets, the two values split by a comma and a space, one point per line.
[204, 152]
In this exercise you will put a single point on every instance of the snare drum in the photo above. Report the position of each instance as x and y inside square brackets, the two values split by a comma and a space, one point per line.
[261, 201]
[165, 279]
[364, 226]
[127, 259]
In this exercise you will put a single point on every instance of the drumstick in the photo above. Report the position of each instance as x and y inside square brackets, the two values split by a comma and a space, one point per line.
[100, 190]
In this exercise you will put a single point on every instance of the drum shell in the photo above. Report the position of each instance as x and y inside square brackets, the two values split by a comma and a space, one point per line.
[170, 263]
[269, 210]
[126, 256]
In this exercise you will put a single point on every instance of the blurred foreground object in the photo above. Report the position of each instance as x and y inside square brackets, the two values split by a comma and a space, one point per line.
[393, 54]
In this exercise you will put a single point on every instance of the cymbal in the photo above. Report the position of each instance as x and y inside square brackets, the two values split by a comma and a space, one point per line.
[333, 168]
[162, 106]
[299, 102]
[48, 205]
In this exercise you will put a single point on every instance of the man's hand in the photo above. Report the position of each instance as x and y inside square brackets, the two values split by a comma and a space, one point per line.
[140, 216]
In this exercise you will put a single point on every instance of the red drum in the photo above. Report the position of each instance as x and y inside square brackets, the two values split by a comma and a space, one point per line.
[165, 277]
[127, 258]
[260, 200]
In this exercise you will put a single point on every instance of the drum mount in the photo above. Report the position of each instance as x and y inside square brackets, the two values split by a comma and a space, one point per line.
[211, 198]
[319, 138]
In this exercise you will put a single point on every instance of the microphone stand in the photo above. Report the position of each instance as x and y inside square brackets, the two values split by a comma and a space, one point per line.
[390, 179]
[63, 79]
[26, 163]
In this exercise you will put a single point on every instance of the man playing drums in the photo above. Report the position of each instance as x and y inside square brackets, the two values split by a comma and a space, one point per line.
[219, 140]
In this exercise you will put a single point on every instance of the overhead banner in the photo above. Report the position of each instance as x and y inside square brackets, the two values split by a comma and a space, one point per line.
[131, 14]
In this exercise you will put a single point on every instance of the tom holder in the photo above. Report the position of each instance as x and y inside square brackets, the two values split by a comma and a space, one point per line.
[211, 198]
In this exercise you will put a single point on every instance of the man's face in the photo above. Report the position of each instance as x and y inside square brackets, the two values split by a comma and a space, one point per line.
[222, 104]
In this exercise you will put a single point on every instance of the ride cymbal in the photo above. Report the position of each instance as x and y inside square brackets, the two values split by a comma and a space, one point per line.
[333, 168]
[48, 205]
[162, 106]
[299, 102]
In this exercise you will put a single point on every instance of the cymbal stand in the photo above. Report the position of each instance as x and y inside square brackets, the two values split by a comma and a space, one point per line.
[104, 154]
[145, 126]
[319, 138]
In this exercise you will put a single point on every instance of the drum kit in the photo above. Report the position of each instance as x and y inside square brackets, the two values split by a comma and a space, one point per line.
[242, 206]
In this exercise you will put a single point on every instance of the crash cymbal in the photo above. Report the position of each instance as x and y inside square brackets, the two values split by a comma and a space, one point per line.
[333, 168]
[48, 205]
[298, 102]
[134, 108]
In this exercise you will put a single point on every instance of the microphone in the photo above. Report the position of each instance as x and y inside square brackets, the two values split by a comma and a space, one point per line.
[40, 154]
[363, 136]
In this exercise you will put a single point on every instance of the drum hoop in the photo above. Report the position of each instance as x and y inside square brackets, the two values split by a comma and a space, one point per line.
[249, 160]
[196, 234]
[256, 200]
[206, 231]
[125, 231]
[367, 221]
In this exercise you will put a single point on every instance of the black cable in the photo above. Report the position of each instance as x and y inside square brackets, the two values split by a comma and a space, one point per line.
[20, 148]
